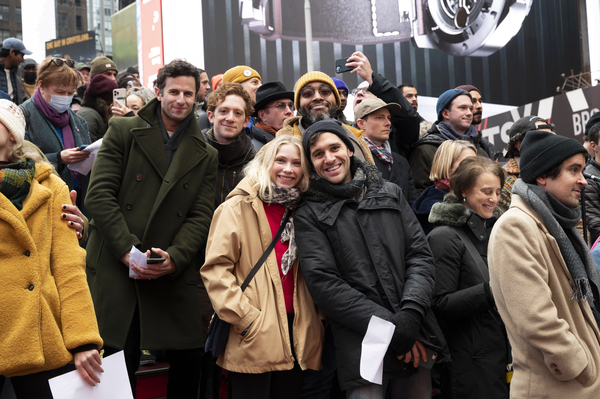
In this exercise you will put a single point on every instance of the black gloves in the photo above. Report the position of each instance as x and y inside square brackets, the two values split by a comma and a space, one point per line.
[408, 323]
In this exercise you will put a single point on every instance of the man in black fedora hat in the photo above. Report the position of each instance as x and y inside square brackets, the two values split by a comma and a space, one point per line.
[274, 104]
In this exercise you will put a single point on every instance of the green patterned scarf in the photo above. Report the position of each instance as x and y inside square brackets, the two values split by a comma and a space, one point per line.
[15, 180]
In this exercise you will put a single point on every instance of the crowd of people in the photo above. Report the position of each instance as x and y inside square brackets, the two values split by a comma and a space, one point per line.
[268, 213]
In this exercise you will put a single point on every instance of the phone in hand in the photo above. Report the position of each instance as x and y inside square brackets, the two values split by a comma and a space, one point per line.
[120, 94]
[154, 258]
[82, 147]
[431, 358]
[340, 65]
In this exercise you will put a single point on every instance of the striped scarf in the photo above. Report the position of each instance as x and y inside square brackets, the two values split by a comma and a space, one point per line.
[15, 180]
[384, 155]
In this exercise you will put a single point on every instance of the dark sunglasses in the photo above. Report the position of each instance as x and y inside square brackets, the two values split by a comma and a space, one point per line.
[309, 92]
[60, 62]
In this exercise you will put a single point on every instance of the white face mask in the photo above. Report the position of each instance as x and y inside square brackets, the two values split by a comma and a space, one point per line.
[60, 103]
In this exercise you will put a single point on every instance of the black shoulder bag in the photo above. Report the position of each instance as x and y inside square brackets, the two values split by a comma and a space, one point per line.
[218, 330]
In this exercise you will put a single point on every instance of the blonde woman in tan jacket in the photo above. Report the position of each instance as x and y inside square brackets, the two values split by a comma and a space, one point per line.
[276, 332]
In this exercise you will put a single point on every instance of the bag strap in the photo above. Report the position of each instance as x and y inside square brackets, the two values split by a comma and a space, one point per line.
[264, 256]
[483, 269]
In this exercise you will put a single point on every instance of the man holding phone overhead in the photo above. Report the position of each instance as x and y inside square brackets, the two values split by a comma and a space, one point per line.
[153, 187]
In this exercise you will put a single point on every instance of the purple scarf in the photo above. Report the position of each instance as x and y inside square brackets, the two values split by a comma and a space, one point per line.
[58, 120]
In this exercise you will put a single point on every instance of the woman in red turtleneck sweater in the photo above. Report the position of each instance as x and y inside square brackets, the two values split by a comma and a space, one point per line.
[276, 332]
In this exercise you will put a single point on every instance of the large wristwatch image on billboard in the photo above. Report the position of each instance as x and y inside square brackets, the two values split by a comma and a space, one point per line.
[457, 27]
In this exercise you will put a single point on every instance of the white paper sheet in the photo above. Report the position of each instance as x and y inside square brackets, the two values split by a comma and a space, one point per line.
[84, 167]
[114, 382]
[374, 346]
[139, 258]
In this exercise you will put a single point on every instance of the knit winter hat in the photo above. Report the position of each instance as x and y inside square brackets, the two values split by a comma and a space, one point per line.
[339, 84]
[542, 151]
[239, 74]
[102, 86]
[468, 88]
[102, 64]
[591, 122]
[310, 77]
[328, 126]
[445, 99]
[215, 80]
[12, 117]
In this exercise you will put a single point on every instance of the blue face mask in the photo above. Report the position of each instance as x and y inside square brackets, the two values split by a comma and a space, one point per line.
[60, 103]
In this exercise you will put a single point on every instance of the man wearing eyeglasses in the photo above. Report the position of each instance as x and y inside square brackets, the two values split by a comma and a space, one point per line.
[317, 99]
[11, 56]
[274, 104]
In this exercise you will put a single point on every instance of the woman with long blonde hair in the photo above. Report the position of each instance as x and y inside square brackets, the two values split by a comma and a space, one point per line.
[276, 332]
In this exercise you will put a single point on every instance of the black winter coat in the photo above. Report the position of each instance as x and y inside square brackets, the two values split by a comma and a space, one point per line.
[464, 305]
[592, 202]
[347, 251]
[406, 123]
[400, 175]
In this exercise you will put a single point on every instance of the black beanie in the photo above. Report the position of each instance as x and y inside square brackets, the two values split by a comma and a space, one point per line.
[329, 126]
[593, 120]
[542, 151]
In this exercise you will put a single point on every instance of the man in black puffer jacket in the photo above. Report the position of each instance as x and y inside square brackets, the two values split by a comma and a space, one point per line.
[363, 254]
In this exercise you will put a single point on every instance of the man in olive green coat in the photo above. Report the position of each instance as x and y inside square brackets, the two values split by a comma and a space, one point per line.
[152, 187]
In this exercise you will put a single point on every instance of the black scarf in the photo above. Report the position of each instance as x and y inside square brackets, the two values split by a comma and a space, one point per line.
[362, 173]
[172, 143]
[560, 222]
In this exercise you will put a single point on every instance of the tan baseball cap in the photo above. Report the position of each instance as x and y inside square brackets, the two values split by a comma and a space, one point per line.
[370, 105]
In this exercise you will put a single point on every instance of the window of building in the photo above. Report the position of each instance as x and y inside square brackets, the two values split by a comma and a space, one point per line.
[78, 3]
[107, 12]
[78, 24]
[62, 20]
[4, 13]
[18, 14]
[20, 35]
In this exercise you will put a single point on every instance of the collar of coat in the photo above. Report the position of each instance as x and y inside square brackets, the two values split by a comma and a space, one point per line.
[453, 212]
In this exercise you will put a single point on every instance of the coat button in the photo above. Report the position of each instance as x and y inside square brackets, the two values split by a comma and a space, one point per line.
[138, 177]
[27, 253]
[31, 287]
[179, 213]
[185, 185]
[129, 207]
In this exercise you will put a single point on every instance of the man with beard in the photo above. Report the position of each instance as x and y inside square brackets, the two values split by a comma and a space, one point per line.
[410, 93]
[478, 117]
[316, 99]
[543, 278]
[202, 93]
[455, 114]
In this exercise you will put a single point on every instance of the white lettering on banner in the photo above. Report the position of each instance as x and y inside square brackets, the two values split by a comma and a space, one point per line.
[577, 100]
[489, 133]
[545, 108]
[581, 119]
[504, 131]
[156, 61]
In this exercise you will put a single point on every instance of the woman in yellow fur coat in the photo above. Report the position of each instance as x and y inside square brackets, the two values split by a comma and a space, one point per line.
[47, 319]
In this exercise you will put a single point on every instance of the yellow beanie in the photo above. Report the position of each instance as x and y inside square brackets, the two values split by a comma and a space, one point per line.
[239, 74]
[310, 77]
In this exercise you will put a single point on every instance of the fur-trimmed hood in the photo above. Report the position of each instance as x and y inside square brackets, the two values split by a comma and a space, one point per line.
[452, 212]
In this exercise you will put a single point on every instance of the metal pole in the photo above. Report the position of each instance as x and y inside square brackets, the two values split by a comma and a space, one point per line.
[308, 27]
